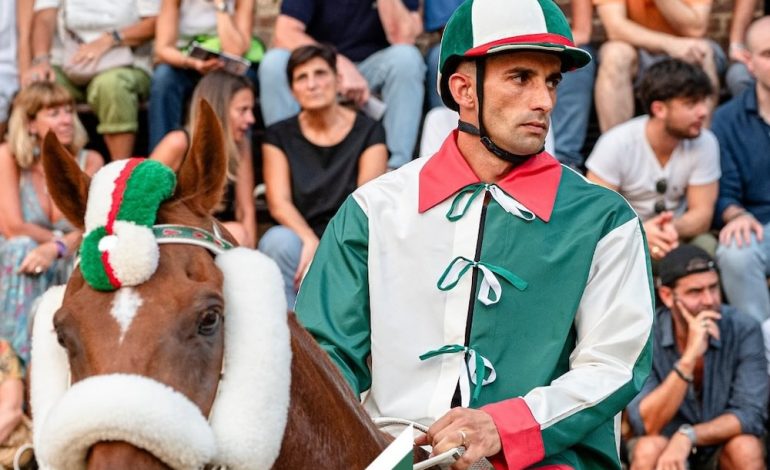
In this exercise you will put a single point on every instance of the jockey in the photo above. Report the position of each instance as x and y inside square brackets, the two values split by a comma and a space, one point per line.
[488, 291]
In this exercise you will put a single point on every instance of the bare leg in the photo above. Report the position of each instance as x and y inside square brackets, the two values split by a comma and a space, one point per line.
[710, 67]
[120, 145]
[743, 452]
[614, 84]
[647, 451]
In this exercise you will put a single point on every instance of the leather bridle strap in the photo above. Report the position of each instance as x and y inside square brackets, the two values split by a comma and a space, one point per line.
[187, 235]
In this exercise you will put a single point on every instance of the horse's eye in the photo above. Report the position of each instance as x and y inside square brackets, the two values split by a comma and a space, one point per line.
[209, 321]
[60, 338]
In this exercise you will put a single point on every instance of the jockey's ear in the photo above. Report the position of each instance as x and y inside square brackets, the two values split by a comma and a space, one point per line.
[201, 177]
[67, 183]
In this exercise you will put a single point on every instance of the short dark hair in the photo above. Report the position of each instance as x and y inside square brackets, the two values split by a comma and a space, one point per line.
[307, 53]
[673, 78]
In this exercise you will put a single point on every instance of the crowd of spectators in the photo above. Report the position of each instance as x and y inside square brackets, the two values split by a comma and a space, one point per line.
[684, 136]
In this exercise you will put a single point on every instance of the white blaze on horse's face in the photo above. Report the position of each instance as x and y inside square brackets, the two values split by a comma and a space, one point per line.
[124, 307]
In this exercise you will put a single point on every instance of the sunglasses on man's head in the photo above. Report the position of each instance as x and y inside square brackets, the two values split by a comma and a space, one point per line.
[660, 187]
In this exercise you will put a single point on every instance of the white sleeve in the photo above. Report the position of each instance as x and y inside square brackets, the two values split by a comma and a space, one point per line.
[612, 356]
[148, 7]
[606, 160]
[707, 167]
[43, 4]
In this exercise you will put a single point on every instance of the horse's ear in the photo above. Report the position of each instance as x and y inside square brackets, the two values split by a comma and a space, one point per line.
[201, 177]
[67, 183]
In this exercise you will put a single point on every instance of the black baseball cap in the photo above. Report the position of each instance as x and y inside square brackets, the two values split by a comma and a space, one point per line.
[683, 261]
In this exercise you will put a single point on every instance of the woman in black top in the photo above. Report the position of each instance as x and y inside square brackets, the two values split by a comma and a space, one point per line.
[232, 99]
[313, 161]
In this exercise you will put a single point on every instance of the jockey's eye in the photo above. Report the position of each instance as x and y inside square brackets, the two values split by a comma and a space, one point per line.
[209, 321]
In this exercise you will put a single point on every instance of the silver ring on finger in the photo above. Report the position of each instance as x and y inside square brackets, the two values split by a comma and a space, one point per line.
[38, 269]
[462, 437]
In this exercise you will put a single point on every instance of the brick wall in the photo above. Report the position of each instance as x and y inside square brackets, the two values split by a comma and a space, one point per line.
[719, 29]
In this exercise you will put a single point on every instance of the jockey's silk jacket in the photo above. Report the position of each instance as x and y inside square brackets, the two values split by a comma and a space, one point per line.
[531, 297]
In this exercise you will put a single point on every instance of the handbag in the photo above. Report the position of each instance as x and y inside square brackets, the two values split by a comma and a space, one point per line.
[82, 73]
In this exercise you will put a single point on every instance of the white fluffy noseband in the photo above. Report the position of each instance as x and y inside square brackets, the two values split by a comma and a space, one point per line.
[248, 419]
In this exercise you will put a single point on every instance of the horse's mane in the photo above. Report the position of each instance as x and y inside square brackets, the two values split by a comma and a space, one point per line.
[325, 411]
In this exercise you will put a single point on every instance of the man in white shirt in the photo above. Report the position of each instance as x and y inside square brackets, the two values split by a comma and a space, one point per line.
[664, 163]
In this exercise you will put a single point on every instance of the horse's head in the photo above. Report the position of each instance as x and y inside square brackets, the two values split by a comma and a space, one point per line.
[168, 329]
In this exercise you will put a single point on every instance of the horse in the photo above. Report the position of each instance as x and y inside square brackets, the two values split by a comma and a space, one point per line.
[168, 337]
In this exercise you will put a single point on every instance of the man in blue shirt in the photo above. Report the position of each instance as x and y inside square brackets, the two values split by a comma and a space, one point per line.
[708, 387]
[376, 54]
[742, 127]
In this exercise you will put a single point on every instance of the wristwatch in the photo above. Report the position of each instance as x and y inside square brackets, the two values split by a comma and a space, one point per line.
[221, 6]
[688, 431]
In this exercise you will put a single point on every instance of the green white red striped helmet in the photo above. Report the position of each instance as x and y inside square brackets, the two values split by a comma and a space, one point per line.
[479, 28]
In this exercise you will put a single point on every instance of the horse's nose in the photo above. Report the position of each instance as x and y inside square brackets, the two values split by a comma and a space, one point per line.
[122, 456]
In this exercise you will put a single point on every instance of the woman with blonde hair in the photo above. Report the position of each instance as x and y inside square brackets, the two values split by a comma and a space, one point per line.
[232, 99]
[36, 242]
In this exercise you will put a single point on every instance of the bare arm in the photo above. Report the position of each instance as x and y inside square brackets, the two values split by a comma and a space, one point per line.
[140, 32]
[657, 408]
[401, 25]
[614, 17]
[244, 195]
[290, 33]
[43, 27]
[582, 15]
[717, 431]
[743, 12]
[234, 29]
[171, 149]
[11, 401]
[24, 14]
[701, 200]
[595, 179]
[373, 163]
[12, 222]
[687, 20]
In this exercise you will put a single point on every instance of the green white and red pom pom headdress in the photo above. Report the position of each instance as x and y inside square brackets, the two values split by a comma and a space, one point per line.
[119, 247]
[483, 27]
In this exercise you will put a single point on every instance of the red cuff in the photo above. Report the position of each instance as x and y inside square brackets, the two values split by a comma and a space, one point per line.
[519, 433]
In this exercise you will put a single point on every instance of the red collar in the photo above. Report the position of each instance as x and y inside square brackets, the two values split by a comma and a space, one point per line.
[533, 183]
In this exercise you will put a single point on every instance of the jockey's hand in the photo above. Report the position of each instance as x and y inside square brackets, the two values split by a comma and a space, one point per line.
[479, 436]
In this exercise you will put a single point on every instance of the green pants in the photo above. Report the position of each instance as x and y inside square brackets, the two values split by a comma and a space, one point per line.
[114, 96]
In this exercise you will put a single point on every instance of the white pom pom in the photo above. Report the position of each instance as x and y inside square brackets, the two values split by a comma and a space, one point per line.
[134, 256]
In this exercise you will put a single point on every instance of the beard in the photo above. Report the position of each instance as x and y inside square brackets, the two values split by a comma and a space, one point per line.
[683, 132]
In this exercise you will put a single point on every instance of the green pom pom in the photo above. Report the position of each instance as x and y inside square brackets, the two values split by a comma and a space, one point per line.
[150, 184]
[91, 261]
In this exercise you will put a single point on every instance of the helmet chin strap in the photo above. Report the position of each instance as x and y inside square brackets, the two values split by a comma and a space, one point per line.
[481, 131]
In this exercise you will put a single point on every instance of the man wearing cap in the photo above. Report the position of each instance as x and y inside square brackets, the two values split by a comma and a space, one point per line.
[488, 291]
[706, 398]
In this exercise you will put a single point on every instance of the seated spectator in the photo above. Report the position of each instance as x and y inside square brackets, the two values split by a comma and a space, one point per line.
[642, 32]
[15, 427]
[313, 161]
[436, 15]
[742, 127]
[220, 25]
[708, 387]
[738, 77]
[232, 99]
[569, 119]
[114, 94]
[37, 245]
[376, 54]
[664, 162]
